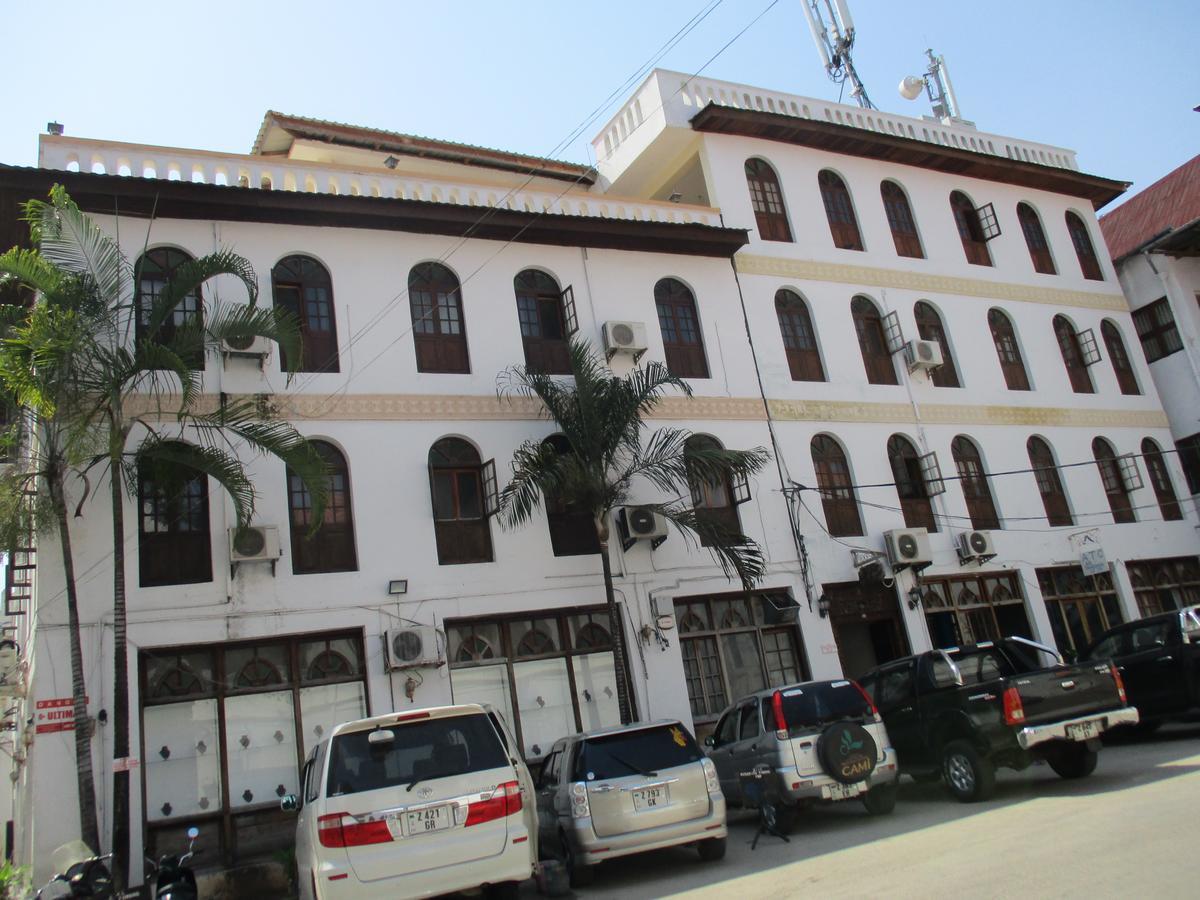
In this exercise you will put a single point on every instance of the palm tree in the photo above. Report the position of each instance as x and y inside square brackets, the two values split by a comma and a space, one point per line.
[115, 379]
[602, 418]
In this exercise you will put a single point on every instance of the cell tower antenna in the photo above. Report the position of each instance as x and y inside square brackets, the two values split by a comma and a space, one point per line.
[833, 31]
[936, 83]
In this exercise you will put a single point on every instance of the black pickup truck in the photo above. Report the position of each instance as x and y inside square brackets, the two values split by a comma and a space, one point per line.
[959, 713]
[1159, 661]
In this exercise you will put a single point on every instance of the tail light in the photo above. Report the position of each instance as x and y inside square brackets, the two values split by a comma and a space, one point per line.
[870, 703]
[504, 801]
[579, 801]
[343, 830]
[710, 776]
[1014, 709]
[781, 728]
[1120, 683]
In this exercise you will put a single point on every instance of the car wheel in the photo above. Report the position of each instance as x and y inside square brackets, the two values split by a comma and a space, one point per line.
[881, 799]
[505, 890]
[581, 875]
[969, 776]
[712, 850]
[1073, 761]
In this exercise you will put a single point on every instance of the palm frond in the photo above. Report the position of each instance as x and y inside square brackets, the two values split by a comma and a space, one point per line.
[188, 277]
[167, 462]
[69, 239]
[534, 473]
[739, 556]
[31, 269]
[231, 322]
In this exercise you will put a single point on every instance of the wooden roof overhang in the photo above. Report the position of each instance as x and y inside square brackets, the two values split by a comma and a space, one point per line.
[847, 139]
[145, 197]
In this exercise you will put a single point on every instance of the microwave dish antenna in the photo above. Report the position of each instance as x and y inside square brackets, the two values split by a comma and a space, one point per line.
[833, 32]
[936, 83]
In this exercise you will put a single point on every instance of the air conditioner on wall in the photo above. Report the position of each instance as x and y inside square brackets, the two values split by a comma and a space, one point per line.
[246, 346]
[255, 543]
[976, 545]
[407, 648]
[625, 337]
[925, 355]
[908, 548]
[644, 523]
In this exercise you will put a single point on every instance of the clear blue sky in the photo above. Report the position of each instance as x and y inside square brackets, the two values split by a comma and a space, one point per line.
[1115, 81]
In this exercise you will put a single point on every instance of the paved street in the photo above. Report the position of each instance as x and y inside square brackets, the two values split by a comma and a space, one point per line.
[1132, 829]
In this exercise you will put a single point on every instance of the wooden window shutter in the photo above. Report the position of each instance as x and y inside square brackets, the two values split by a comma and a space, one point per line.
[570, 317]
[491, 495]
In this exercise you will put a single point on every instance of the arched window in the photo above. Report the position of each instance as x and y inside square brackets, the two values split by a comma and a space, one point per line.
[840, 211]
[439, 330]
[153, 273]
[1072, 355]
[543, 323]
[680, 325]
[331, 548]
[302, 286]
[1083, 248]
[1008, 351]
[872, 342]
[1035, 239]
[929, 327]
[464, 496]
[900, 218]
[971, 475]
[970, 230]
[1113, 479]
[910, 483]
[174, 543]
[767, 199]
[1120, 359]
[715, 501]
[799, 337]
[1160, 478]
[1050, 486]
[836, 487]
[572, 530]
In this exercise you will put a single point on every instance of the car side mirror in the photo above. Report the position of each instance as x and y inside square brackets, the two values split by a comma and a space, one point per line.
[709, 741]
[290, 803]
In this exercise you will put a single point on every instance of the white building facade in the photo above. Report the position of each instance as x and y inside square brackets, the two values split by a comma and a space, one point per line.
[780, 253]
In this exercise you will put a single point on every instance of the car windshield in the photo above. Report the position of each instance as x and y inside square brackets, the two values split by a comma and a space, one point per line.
[424, 749]
[645, 751]
[819, 703]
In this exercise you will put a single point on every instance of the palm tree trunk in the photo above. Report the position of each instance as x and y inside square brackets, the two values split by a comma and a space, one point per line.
[120, 826]
[614, 626]
[89, 832]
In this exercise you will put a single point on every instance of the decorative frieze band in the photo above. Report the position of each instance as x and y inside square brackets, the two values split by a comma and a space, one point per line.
[955, 414]
[813, 270]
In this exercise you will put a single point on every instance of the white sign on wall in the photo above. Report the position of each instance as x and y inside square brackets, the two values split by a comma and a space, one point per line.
[1091, 554]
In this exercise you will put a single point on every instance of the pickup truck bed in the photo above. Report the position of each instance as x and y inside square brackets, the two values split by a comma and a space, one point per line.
[960, 713]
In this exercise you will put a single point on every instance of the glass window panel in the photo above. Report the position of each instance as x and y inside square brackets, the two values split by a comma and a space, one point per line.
[175, 675]
[590, 631]
[325, 660]
[183, 759]
[544, 698]
[474, 642]
[484, 684]
[743, 665]
[257, 666]
[326, 705]
[443, 495]
[260, 748]
[468, 496]
[596, 690]
[532, 637]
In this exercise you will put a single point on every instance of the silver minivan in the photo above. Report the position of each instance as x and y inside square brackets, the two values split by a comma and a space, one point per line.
[818, 741]
[415, 804]
[617, 791]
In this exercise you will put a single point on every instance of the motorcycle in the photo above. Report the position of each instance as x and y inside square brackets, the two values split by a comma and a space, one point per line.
[173, 878]
[85, 874]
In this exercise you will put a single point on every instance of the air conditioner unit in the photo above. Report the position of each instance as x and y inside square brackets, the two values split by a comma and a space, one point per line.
[908, 548]
[625, 337]
[923, 355]
[407, 648]
[255, 543]
[644, 523]
[976, 545]
[246, 346]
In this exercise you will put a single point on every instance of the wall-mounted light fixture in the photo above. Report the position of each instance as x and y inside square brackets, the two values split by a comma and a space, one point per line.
[823, 605]
[399, 586]
[391, 162]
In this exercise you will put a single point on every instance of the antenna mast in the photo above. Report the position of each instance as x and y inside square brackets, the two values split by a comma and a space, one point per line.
[834, 42]
[936, 84]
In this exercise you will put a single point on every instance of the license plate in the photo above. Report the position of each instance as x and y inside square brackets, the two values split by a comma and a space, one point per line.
[424, 821]
[841, 791]
[1084, 731]
[651, 798]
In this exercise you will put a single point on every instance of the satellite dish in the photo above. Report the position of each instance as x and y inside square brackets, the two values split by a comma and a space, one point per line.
[911, 87]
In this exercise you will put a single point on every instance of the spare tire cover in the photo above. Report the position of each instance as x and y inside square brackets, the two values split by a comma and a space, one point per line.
[847, 752]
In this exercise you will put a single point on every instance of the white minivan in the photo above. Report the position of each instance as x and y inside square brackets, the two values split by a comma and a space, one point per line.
[415, 804]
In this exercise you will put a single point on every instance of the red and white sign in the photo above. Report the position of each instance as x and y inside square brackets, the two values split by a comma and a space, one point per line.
[55, 715]
[126, 764]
